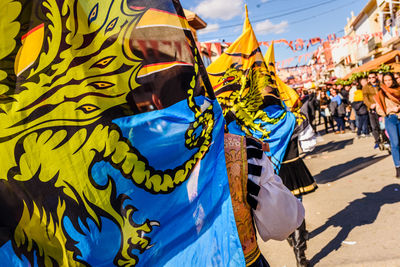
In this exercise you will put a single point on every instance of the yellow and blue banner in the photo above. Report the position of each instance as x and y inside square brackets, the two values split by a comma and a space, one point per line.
[249, 95]
[112, 155]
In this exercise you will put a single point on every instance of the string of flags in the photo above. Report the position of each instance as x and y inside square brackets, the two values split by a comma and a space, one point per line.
[300, 59]
[216, 48]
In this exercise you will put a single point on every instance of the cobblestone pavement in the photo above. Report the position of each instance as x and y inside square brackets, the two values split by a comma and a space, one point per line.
[354, 216]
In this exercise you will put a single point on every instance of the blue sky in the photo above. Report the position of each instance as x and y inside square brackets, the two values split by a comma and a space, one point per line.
[309, 18]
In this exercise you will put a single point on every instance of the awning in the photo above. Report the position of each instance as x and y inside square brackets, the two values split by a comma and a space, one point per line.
[376, 63]
[395, 67]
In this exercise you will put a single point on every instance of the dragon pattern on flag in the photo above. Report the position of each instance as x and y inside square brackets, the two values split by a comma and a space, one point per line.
[248, 93]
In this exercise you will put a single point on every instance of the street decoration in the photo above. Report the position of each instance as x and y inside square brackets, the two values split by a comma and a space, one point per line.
[300, 44]
[363, 74]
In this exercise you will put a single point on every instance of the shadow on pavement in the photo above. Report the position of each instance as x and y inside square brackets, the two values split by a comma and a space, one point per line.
[358, 213]
[332, 146]
[339, 171]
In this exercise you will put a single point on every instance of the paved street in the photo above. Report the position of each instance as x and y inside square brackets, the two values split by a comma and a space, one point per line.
[353, 218]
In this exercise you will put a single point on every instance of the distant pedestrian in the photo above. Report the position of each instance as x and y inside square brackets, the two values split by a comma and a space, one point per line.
[353, 114]
[362, 113]
[388, 105]
[328, 90]
[345, 92]
[353, 89]
[325, 113]
[397, 77]
[338, 111]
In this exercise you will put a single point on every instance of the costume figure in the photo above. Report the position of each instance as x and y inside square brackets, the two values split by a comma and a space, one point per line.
[298, 179]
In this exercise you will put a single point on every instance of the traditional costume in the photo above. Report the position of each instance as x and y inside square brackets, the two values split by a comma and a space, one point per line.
[298, 179]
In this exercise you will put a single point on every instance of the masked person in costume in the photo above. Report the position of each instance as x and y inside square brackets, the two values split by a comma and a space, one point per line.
[298, 179]
[252, 108]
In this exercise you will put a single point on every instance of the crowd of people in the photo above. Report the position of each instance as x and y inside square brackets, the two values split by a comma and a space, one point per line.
[368, 106]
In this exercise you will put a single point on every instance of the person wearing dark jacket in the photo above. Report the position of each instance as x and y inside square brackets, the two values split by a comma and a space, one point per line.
[338, 110]
[308, 107]
[345, 92]
[362, 113]
[369, 91]
[326, 115]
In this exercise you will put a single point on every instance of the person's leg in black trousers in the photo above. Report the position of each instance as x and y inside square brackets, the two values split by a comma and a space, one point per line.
[364, 126]
[330, 121]
[326, 124]
[342, 124]
[319, 116]
[360, 125]
[338, 121]
[374, 121]
[362, 121]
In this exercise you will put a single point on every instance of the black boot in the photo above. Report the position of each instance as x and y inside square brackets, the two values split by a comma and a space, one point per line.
[298, 240]
[398, 172]
[290, 240]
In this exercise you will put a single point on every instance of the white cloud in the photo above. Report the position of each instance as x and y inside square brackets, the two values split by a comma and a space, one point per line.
[266, 27]
[262, 2]
[220, 9]
[238, 29]
[210, 28]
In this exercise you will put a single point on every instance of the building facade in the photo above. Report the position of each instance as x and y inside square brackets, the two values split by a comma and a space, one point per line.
[389, 13]
[372, 33]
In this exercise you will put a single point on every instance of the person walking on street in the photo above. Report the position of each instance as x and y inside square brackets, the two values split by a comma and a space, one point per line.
[369, 91]
[362, 113]
[325, 113]
[352, 113]
[338, 110]
[345, 93]
[388, 106]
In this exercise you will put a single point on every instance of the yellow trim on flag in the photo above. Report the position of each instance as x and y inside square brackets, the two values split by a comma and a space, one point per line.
[154, 18]
[29, 51]
[150, 69]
